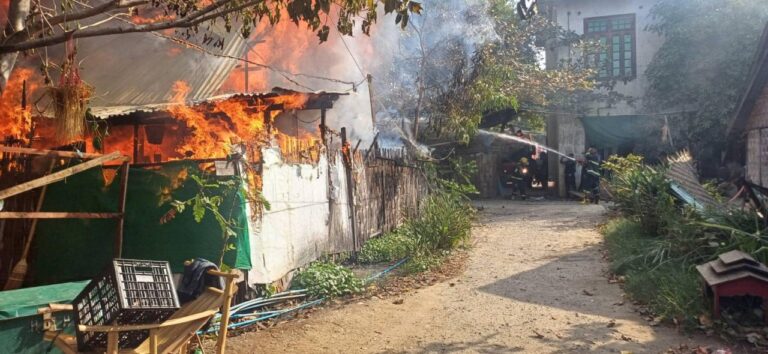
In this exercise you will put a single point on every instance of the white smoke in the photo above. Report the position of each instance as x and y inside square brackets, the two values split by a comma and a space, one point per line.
[300, 62]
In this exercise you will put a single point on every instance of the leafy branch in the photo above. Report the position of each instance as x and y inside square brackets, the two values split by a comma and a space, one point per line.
[208, 200]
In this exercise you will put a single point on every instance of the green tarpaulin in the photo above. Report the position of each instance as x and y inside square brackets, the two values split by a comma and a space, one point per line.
[67, 250]
[605, 131]
[25, 302]
[21, 328]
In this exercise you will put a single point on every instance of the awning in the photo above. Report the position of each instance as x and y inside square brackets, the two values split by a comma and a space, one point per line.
[605, 131]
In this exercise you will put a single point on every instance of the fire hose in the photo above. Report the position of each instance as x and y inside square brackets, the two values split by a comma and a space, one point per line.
[240, 311]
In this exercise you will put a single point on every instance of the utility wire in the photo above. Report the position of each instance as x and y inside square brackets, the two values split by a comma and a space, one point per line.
[281, 72]
[351, 55]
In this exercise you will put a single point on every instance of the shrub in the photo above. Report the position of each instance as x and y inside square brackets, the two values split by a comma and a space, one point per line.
[671, 291]
[326, 279]
[444, 224]
[657, 243]
[656, 271]
[641, 191]
[625, 244]
[388, 248]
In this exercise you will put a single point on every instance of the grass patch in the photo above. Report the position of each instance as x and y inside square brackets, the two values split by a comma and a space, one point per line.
[671, 288]
[445, 224]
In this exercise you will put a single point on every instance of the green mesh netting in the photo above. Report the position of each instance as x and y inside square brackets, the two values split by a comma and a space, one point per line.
[70, 249]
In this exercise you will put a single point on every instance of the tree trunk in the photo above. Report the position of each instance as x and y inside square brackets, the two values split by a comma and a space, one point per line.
[18, 10]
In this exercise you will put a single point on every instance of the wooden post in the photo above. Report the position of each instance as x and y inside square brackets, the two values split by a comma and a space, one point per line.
[118, 245]
[135, 142]
[153, 341]
[221, 342]
[350, 187]
[369, 77]
[112, 342]
[268, 121]
[323, 127]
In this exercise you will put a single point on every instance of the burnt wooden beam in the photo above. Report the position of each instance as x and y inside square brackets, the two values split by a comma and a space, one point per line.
[135, 142]
[60, 175]
[347, 162]
[56, 215]
[323, 127]
[45, 152]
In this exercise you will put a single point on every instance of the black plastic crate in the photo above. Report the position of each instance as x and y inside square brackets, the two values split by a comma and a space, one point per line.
[128, 292]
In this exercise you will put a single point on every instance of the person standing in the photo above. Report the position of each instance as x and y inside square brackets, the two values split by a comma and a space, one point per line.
[592, 166]
[570, 172]
[520, 178]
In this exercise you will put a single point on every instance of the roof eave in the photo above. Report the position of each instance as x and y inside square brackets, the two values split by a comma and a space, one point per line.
[759, 78]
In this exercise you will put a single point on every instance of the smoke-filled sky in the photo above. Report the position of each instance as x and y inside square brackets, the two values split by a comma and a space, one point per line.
[391, 55]
[127, 69]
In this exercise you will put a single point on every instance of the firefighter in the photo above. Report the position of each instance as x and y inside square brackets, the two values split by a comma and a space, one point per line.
[592, 168]
[520, 177]
[570, 172]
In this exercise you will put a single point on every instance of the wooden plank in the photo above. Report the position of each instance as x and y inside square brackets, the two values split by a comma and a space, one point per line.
[56, 215]
[45, 152]
[153, 341]
[221, 342]
[58, 176]
[112, 342]
[169, 323]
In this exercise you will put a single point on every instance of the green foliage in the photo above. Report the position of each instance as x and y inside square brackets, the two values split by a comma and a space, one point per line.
[422, 263]
[671, 291]
[641, 191]
[670, 287]
[327, 279]
[506, 74]
[391, 247]
[657, 243]
[444, 222]
[192, 17]
[702, 66]
[211, 192]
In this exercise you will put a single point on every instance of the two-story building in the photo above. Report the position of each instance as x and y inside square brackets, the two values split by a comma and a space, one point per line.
[624, 52]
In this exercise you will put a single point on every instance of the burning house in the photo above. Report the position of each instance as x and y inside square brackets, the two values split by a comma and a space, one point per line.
[298, 187]
[303, 173]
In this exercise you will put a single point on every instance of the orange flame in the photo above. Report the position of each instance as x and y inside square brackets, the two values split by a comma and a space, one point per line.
[207, 137]
[15, 121]
[211, 137]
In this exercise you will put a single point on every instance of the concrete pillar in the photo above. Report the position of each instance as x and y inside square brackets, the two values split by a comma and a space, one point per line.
[565, 133]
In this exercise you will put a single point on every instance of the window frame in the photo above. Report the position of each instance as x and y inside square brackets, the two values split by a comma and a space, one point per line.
[608, 33]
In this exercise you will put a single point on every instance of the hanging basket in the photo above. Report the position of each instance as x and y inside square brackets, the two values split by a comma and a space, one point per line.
[70, 100]
[70, 103]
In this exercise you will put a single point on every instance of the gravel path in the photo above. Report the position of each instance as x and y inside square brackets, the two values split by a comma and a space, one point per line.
[534, 284]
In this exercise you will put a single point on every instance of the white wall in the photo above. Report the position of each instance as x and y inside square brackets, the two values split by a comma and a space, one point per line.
[294, 232]
[570, 14]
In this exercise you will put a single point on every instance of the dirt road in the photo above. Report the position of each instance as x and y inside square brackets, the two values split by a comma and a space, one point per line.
[534, 284]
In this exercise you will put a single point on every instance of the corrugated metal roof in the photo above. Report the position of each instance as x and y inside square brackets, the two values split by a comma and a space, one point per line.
[105, 112]
[140, 69]
[684, 176]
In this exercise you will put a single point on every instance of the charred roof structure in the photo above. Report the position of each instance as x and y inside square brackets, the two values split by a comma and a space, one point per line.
[748, 130]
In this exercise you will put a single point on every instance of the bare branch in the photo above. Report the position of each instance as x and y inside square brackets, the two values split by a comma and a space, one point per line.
[195, 18]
